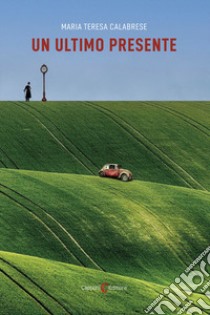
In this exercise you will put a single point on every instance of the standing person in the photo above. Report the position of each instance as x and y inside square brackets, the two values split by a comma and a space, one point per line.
[27, 91]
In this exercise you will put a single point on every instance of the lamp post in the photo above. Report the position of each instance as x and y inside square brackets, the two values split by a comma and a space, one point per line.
[44, 70]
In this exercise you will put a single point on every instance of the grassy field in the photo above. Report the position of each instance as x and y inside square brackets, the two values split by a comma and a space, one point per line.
[79, 137]
[63, 227]
[43, 282]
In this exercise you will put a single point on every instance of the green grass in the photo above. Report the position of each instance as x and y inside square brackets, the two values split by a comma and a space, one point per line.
[132, 222]
[62, 288]
[63, 227]
[141, 230]
[155, 142]
[40, 286]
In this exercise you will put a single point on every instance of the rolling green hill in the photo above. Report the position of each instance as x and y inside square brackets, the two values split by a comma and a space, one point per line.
[156, 143]
[62, 227]
[23, 277]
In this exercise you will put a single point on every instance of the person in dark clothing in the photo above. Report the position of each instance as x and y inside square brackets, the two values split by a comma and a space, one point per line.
[27, 92]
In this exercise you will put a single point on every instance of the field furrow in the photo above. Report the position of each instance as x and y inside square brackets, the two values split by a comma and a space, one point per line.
[68, 242]
[56, 305]
[192, 122]
[183, 174]
[57, 135]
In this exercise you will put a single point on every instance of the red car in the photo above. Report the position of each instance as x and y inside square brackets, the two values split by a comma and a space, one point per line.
[115, 171]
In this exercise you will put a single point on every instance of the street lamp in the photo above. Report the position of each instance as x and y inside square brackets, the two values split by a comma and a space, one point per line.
[44, 70]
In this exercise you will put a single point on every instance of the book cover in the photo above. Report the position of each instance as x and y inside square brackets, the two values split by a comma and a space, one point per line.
[104, 157]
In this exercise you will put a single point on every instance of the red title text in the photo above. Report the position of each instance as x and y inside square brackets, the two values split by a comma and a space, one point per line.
[99, 44]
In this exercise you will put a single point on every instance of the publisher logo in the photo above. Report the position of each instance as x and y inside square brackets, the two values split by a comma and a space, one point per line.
[104, 288]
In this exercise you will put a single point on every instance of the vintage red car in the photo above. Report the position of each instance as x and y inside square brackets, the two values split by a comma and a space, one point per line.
[115, 171]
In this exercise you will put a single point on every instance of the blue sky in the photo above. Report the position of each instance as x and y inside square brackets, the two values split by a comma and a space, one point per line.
[184, 75]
